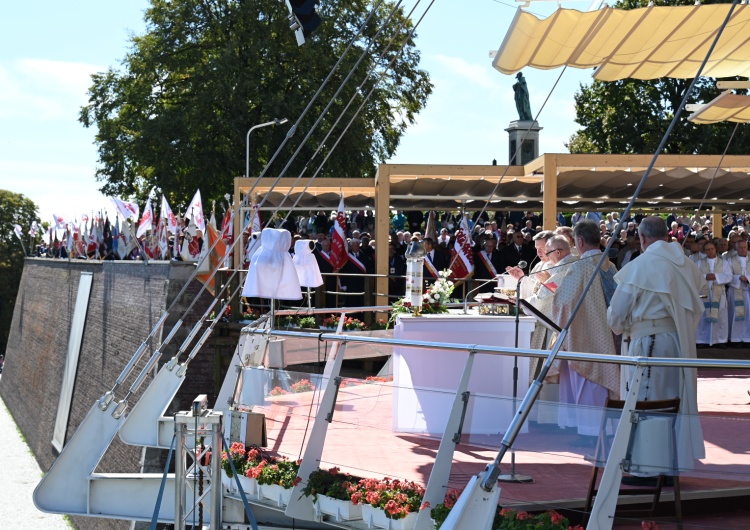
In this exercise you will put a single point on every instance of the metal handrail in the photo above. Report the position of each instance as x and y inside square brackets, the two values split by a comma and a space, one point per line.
[521, 352]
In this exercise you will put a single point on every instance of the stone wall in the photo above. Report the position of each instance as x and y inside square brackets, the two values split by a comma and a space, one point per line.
[127, 299]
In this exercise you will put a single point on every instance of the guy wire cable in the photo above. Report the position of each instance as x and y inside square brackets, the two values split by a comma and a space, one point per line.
[361, 106]
[330, 103]
[108, 396]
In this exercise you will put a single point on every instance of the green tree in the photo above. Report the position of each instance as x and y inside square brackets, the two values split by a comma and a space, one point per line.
[175, 117]
[631, 115]
[15, 209]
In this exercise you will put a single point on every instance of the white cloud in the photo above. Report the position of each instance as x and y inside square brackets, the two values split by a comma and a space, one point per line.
[43, 90]
[481, 75]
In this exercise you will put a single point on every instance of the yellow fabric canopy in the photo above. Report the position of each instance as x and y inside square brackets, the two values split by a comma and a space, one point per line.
[725, 107]
[645, 43]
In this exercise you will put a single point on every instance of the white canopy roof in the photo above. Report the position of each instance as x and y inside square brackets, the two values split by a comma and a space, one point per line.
[645, 43]
[725, 107]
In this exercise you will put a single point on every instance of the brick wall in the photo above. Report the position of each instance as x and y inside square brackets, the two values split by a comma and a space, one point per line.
[127, 299]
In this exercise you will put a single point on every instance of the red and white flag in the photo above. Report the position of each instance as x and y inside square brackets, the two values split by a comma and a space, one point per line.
[227, 235]
[462, 256]
[339, 254]
[18, 231]
[168, 214]
[34, 229]
[147, 220]
[195, 212]
[128, 210]
[61, 222]
[191, 246]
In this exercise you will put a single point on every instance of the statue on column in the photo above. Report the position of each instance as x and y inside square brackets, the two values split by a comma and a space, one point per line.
[522, 99]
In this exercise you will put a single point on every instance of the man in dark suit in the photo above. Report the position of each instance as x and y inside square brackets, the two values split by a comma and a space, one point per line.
[435, 260]
[517, 251]
[396, 271]
[323, 257]
[358, 265]
[488, 262]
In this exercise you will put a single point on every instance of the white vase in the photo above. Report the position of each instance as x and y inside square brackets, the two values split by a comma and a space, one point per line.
[249, 486]
[275, 493]
[376, 517]
[340, 510]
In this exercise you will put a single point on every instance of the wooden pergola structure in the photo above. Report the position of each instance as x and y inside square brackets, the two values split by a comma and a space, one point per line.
[550, 183]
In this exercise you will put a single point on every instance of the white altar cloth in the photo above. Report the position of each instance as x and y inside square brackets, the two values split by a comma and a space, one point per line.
[425, 380]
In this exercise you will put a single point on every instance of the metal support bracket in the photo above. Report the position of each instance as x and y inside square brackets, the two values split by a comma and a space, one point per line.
[465, 399]
[337, 385]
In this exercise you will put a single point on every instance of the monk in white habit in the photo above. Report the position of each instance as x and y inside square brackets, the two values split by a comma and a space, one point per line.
[738, 294]
[586, 385]
[656, 314]
[713, 327]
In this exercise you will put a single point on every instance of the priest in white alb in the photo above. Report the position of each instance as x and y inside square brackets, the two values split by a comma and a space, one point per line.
[713, 327]
[656, 314]
[738, 295]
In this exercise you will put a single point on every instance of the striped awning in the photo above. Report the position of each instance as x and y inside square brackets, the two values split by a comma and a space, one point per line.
[645, 43]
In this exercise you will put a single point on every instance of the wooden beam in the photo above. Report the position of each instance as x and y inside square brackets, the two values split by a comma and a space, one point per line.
[382, 230]
[549, 192]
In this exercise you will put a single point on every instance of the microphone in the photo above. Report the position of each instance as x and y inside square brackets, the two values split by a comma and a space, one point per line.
[522, 264]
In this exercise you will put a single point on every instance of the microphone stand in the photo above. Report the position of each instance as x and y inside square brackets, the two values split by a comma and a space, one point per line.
[512, 476]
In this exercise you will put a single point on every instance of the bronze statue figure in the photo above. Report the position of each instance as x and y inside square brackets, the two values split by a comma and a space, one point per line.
[522, 98]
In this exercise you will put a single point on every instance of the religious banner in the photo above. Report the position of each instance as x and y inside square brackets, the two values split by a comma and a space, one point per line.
[462, 256]
[339, 254]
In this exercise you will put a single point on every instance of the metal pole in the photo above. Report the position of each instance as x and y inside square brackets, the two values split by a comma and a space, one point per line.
[179, 476]
[216, 493]
[277, 121]
[512, 477]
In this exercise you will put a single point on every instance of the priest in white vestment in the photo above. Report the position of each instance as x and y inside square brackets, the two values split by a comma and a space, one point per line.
[738, 295]
[713, 327]
[656, 313]
[534, 291]
[585, 386]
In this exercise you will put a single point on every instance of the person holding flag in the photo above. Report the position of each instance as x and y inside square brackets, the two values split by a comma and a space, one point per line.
[462, 253]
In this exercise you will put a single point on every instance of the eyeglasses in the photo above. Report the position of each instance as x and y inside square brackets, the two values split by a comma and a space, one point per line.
[551, 251]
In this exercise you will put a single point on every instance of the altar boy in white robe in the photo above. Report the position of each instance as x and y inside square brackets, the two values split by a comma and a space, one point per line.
[713, 327]
[738, 295]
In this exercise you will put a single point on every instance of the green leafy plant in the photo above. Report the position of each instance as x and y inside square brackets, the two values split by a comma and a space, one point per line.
[307, 322]
[282, 472]
[331, 483]
[441, 511]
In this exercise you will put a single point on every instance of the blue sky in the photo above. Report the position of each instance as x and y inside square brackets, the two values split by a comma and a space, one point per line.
[51, 48]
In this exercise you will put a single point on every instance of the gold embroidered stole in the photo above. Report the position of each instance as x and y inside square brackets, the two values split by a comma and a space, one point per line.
[711, 290]
[739, 298]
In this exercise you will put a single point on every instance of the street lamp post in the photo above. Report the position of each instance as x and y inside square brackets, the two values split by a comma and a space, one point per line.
[277, 121]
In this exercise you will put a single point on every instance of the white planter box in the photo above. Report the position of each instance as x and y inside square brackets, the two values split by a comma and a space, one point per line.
[376, 517]
[341, 510]
[249, 486]
[275, 493]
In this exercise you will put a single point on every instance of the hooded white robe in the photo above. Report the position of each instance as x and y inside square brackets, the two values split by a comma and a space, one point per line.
[643, 296]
